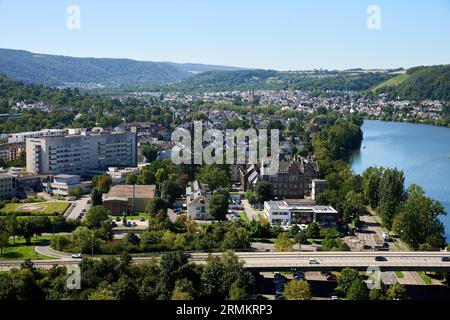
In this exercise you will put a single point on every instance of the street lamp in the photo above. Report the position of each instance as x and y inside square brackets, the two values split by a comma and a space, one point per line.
[92, 245]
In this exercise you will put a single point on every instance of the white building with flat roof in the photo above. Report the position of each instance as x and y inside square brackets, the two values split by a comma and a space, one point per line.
[63, 184]
[299, 212]
[79, 154]
[23, 136]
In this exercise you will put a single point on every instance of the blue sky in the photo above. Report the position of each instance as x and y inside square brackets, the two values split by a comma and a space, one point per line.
[275, 34]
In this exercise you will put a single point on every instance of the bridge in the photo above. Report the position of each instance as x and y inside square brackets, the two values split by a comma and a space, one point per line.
[323, 261]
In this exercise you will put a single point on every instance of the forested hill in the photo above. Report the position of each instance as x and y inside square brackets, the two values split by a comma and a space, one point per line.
[59, 71]
[356, 80]
[420, 83]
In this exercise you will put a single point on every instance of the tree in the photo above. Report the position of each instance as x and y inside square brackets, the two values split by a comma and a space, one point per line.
[147, 177]
[218, 206]
[418, 222]
[161, 176]
[263, 191]
[391, 194]
[170, 191]
[345, 280]
[357, 291]
[131, 179]
[102, 294]
[236, 293]
[96, 197]
[353, 206]
[149, 152]
[76, 192]
[214, 177]
[95, 216]
[284, 243]
[184, 290]
[103, 183]
[397, 292]
[156, 205]
[4, 240]
[131, 239]
[12, 226]
[297, 290]
[371, 179]
[313, 231]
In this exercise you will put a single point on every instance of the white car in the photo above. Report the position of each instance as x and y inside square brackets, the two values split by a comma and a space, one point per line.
[313, 261]
[77, 256]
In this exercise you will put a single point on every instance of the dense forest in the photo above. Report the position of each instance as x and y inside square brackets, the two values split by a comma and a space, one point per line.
[52, 70]
[422, 83]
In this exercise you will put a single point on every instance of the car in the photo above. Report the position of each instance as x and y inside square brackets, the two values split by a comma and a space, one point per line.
[77, 256]
[142, 219]
[134, 224]
[84, 210]
[334, 298]
[380, 258]
[331, 277]
[114, 224]
[313, 261]
[118, 219]
[445, 259]
[367, 247]
[177, 210]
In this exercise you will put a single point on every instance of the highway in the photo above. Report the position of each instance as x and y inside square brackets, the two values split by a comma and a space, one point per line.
[326, 261]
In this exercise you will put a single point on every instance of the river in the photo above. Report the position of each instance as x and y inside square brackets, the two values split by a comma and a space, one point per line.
[421, 151]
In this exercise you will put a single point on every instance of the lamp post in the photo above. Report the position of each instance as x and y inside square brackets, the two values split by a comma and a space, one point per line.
[92, 245]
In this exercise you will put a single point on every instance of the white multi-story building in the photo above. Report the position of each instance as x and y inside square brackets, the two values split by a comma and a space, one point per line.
[23, 136]
[197, 200]
[63, 184]
[299, 212]
[8, 186]
[79, 154]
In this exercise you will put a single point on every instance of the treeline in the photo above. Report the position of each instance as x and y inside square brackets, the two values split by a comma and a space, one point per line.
[71, 108]
[422, 83]
[170, 277]
[412, 215]
[245, 80]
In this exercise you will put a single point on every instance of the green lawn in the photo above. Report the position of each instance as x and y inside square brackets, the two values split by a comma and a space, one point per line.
[48, 208]
[243, 216]
[426, 279]
[392, 82]
[20, 251]
[132, 218]
[399, 274]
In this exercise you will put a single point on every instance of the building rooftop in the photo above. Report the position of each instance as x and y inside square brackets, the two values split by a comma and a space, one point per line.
[126, 191]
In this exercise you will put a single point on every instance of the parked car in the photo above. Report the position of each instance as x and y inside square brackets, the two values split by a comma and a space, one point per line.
[331, 277]
[177, 210]
[445, 259]
[142, 219]
[77, 256]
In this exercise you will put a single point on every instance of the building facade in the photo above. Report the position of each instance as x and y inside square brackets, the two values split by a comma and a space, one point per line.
[299, 212]
[78, 154]
[293, 180]
[23, 136]
[63, 184]
[129, 199]
[8, 186]
[11, 151]
[197, 201]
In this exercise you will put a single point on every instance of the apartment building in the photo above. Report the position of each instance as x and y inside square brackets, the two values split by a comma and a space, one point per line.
[8, 186]
[23, 136]
[80, 154]
[299, 212]
[11, 151]
[197, 199]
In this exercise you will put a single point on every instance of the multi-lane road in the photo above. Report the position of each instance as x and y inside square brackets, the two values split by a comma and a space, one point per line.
[323, 261]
